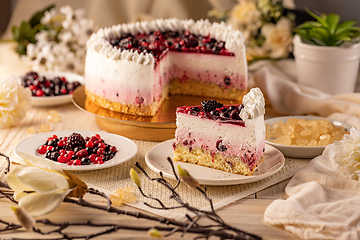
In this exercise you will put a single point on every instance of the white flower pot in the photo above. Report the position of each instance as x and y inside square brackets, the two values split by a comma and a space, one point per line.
[333, 70]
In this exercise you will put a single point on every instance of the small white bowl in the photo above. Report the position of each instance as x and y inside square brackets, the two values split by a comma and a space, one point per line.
[47, 101]
[298, 151]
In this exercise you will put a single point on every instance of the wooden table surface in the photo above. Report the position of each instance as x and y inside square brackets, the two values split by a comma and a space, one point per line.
[246, 214]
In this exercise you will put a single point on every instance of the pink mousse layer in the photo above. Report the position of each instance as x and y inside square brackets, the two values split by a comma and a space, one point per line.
[162, 76]
[248, 154]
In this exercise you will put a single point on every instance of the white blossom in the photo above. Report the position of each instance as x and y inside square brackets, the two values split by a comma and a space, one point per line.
[45, 60]
[64, 49]
[278, 38]
[246, 17]
[14, 101]
[347, 154]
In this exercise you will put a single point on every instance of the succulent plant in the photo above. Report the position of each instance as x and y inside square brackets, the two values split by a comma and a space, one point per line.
[327, 30]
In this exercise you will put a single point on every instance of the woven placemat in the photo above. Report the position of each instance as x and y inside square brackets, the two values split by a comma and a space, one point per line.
[118, 177]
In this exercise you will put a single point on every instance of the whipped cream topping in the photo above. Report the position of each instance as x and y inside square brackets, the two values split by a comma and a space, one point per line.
[254, 104]
[347, 154]
[99, 41]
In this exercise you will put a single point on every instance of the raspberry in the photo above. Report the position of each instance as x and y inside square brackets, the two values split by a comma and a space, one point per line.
[82, 153]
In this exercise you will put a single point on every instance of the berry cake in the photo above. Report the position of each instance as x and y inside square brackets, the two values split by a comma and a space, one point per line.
[132, 68]
[229, 138]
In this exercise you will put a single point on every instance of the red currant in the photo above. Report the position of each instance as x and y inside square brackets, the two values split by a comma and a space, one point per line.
[100, 151]
[89, 144]
[39, 93]
[42, 149]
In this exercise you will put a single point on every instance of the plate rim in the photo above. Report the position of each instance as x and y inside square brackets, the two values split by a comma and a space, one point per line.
[82, 167]
[220, 182]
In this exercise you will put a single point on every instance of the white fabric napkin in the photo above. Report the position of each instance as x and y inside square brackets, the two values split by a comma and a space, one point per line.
[277, 80]
[322, 203]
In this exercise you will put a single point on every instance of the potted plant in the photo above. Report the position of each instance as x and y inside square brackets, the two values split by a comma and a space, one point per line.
[327, 53]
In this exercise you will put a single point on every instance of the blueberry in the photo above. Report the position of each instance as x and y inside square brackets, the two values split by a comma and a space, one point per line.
[227, 81]
[220, 146]
[85, 161]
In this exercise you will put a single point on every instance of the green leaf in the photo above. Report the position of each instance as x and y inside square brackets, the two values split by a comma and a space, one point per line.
[35, 19]
[319, 19]
[320, 34]
[21, 49]
[309, 25]
[333, 20]
[345, 26]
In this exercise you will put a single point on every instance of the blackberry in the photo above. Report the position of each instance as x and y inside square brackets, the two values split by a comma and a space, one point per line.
[75, 140]
[210, 105]
[215, 113]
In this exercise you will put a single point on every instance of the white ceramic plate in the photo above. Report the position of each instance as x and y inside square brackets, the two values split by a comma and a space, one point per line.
[156, 159]
[297, 151]
[56, 100]
[126, 148]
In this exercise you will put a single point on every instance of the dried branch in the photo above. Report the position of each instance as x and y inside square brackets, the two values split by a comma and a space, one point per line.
[218, 229]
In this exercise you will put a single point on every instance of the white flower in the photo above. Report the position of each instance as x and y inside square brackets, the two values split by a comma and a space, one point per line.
[246, 17]
[63, 46]
[49, 16]
[41, 185]
[347, 154]
[83, 30]
[45, 60]
[278, 38]
[14, 101]
[71, 15]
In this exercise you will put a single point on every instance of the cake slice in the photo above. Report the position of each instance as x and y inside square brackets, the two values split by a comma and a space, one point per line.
[225, 137]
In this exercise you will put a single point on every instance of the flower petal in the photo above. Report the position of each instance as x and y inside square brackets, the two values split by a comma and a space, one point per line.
[39, 180]
[14, 183]
[40, 204]
[40, 162]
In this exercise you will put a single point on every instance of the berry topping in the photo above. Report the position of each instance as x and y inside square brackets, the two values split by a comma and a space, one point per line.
[159, 42]
[211, 109]
[209, 105]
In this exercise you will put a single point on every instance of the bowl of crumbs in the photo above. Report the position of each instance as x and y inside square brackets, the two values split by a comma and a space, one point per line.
[303, 136]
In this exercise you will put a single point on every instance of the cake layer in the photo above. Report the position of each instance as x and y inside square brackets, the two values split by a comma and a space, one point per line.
[232, 164]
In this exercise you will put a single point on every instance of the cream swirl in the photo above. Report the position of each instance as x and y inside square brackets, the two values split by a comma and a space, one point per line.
[99, 41]
[254, 104]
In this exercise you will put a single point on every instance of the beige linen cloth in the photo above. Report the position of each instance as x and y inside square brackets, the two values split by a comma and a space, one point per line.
[322, 203]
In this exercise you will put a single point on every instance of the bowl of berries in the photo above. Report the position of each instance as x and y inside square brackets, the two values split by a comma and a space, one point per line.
[80, 150]
[51, 88]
